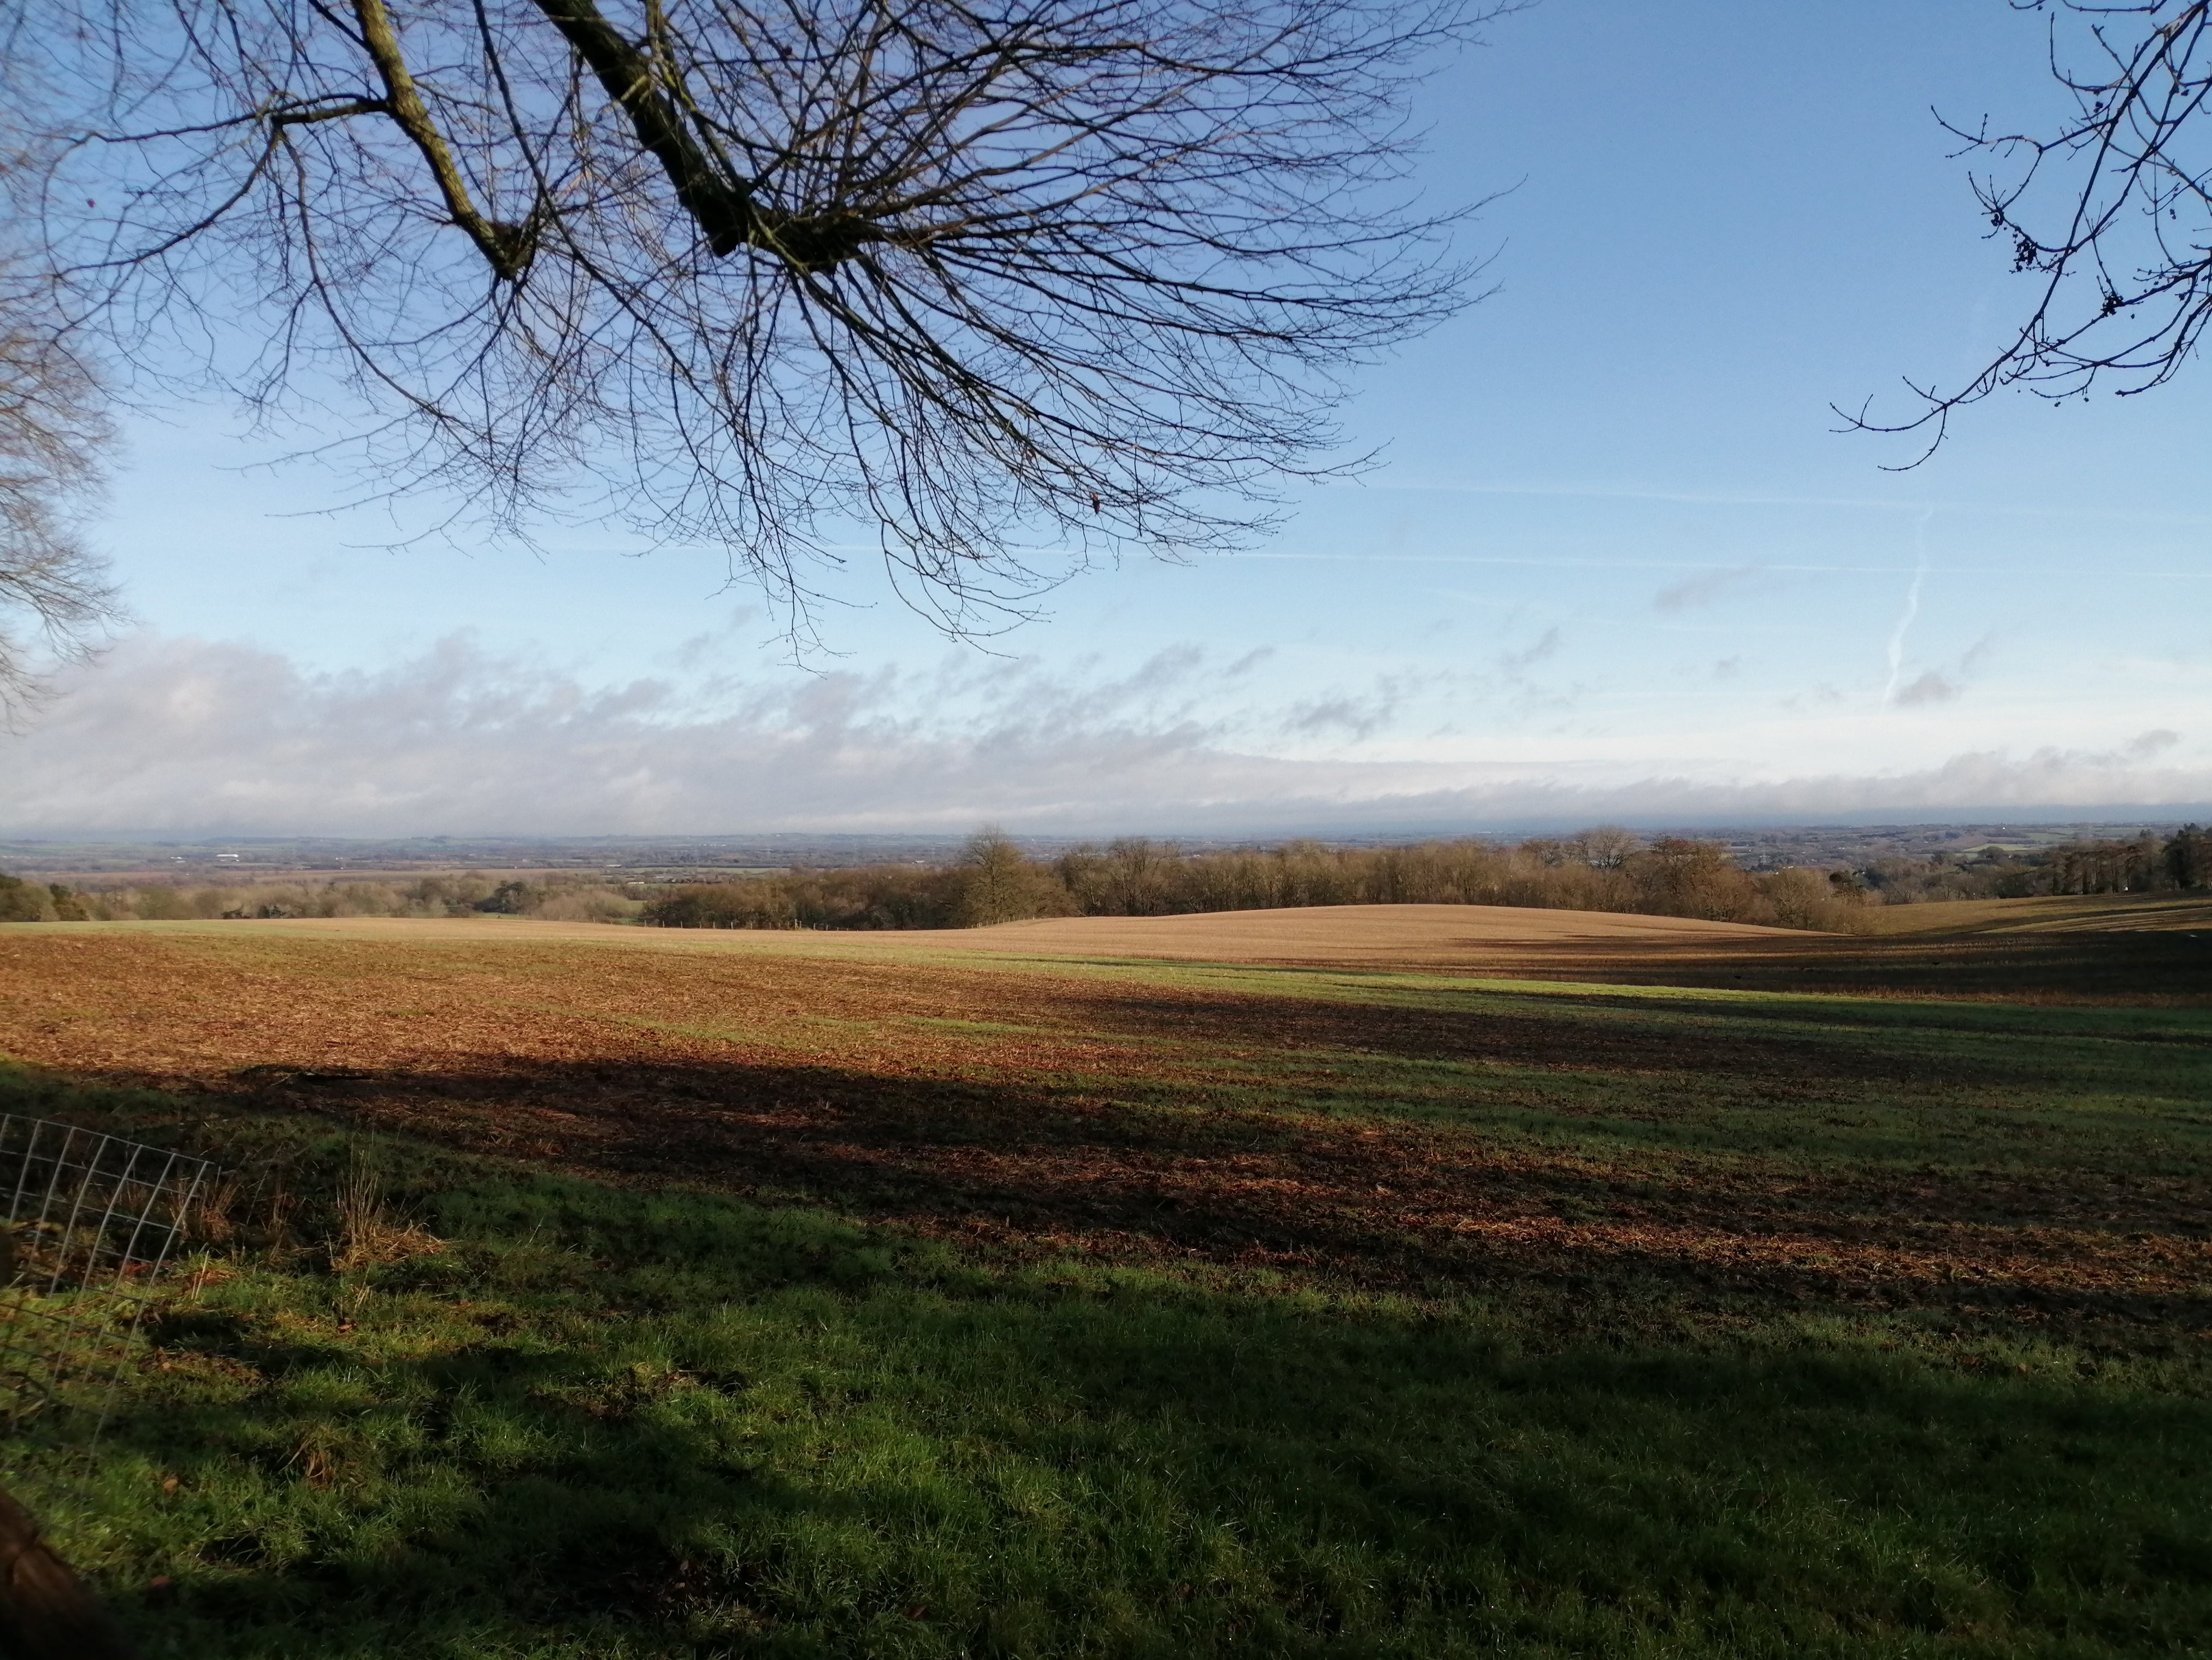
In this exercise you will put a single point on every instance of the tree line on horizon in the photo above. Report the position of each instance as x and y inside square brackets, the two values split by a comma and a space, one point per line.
[1608, 868]
[1603, 869]
[549, 897]
[2148, 863]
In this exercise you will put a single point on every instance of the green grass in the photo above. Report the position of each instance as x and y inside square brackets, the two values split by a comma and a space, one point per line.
[1880, 1082]
[607, 1423]
[612, 1422]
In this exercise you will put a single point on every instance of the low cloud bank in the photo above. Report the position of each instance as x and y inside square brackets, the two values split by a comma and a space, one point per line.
[186, 736]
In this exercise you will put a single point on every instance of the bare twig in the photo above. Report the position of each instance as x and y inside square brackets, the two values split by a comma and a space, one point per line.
[2111, 214]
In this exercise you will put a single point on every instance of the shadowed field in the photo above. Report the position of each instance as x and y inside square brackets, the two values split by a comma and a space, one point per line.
[993, 1294]
[2101, 948]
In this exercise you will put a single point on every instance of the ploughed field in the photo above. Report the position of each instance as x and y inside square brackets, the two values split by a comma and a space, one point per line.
[1419, 1284]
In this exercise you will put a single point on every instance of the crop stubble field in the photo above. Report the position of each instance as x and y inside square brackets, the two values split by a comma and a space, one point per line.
[1419, 1284]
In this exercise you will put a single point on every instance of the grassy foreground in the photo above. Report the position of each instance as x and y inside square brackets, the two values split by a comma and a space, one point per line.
[1765, 1324]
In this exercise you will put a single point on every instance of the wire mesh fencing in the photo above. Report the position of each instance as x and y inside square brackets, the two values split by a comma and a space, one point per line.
[91, 1221]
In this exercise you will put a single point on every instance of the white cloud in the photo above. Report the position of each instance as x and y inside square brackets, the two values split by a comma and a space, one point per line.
[1704, 588]
[2145, 744]
[184, 736]
[1929, 687]
[1355, 717]
[1519, 662]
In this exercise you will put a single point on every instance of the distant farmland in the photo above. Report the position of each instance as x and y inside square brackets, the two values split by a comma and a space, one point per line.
[1374, 1281]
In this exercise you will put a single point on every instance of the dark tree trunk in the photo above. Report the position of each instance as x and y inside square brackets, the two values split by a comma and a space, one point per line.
[45, 1612]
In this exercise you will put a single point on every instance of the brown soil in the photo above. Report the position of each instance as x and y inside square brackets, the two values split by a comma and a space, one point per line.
[2098, 950]
[1349, 934]
[1129, 1120]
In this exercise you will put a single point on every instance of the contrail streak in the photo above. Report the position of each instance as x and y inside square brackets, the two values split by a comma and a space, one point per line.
[1911, 606]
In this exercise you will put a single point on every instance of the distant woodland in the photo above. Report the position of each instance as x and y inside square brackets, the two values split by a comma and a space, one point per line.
[1606, 869]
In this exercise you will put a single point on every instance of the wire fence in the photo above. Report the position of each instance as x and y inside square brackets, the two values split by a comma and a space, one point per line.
[92, 1220]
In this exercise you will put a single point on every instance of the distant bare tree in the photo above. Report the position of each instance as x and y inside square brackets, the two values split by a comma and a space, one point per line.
[2111, 212]
[997, 884]
[1009, 284]
[1606, 846]
[53, 437]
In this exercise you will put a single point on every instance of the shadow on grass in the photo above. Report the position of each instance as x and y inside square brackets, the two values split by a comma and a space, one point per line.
[626, 1423]
[2119, 966]
[1154, 1173]
[1636, 1035]
[636, 1419]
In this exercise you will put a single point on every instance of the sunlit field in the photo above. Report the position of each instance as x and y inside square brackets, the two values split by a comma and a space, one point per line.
[597, 1292]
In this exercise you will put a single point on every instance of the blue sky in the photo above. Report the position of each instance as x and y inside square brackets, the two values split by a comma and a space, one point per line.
[1616, 562]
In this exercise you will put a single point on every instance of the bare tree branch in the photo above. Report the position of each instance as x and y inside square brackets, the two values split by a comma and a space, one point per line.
[506, 247]
[1003, 286]
[2111, 214]
[55, 599]
[720, 206]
